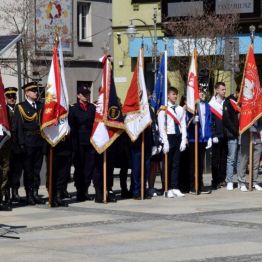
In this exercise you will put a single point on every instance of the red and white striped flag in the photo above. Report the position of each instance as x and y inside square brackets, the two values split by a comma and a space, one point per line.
[192, 94]
[55, 113]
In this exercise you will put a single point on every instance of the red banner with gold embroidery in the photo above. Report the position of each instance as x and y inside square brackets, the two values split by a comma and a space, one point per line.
[250, 97]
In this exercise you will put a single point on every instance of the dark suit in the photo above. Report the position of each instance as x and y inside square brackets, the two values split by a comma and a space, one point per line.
[81, 124]
[27, 130]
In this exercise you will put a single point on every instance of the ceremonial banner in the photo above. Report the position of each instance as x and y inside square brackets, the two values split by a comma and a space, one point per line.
[250, 98]
[55, 113]
[159, 96]
[102, 135]
[4, 124]
[137, 121]
[112, 114]
[192, 94]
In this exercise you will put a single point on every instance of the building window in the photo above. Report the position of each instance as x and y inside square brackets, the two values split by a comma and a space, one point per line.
[84, 22]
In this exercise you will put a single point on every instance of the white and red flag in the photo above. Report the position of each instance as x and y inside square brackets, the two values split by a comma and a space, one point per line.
[136, 106]
[250, 97]
[192, 93]
[54, 124]
[4, 124]
[104, 135]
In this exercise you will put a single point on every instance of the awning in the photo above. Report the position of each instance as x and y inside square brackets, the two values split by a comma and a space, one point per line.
[8, 41]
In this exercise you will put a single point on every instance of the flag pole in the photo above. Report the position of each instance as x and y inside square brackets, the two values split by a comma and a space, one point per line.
[196, 136]
[104, 178]
[142, 165]
[142, 182]
[252, 29]
[50, 180]
[196, 158]
[166, 154]
[251, 162]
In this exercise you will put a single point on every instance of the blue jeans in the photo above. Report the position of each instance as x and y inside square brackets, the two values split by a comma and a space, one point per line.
[232, 145]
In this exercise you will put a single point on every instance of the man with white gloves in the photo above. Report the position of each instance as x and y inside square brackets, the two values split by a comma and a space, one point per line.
[202, 118]
[219, 147]
[172, 128]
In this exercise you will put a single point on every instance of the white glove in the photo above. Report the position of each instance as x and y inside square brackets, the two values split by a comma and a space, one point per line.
[196, 119]
[215, 140]
[209, 143]
[182, 146]
[166, 147]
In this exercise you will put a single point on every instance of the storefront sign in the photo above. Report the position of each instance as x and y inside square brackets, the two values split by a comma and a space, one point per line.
[234, 6]
[185, 9]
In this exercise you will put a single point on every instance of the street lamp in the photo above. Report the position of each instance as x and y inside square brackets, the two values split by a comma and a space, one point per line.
[132, 31]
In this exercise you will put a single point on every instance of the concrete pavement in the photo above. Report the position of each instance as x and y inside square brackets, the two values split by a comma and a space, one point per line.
[222, 226]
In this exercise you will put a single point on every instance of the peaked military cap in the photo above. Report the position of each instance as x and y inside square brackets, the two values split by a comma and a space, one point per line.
[29, 86]
[10, 90]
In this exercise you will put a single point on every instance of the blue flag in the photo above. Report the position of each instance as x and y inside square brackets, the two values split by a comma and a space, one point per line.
[159, 96]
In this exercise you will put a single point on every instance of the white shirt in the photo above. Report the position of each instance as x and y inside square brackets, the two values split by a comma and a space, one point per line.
[32, 103]
[202, 116]
[166, 122]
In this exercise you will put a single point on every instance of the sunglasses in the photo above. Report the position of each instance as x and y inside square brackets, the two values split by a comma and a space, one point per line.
[10, 96]
[33, 90]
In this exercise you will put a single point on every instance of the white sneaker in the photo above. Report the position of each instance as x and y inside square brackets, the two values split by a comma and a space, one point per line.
[170, 194]
[257, 187]
[178, 193]
[243, 188]
[230, 186]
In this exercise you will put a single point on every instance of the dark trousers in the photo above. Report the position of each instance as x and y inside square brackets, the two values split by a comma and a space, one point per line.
[173, 161]
[33, 159]
[84, 167]
[98, 174]
[191, 162]
[219, 161]
[136, 166]
[16, 169]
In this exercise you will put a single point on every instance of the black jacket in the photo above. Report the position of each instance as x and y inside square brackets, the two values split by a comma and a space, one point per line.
[230, 119]
[27, 124]
[81, 124]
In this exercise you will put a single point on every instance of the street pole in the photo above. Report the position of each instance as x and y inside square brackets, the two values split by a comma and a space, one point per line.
[154, 53]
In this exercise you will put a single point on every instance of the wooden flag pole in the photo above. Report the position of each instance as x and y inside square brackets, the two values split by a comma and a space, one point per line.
[104, 178]
[251, 162]
[196, 159]
[142, 165]
[50, 180]
[166, 174]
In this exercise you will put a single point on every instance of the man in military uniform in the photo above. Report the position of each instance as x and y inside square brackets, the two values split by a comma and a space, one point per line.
[27, 130]
[6, 150]
[15, 168]
[81, 119]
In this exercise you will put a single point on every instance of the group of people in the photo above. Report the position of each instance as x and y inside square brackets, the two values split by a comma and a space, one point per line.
[171, 133]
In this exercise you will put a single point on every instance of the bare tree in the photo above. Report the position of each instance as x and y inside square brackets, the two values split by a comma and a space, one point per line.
[206, 32]
[18, 18]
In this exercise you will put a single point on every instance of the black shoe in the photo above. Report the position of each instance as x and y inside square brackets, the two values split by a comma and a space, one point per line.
[80, 197]
[65, 194]
[205, 190]
[125, 194]
[15, 195]
[58, 202]
[111, 197]
[4, 207]
[37, 199]
[99, 196]
[137, 198]
[30, 200]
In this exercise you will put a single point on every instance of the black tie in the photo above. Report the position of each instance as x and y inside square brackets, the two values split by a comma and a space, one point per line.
[34, 105]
